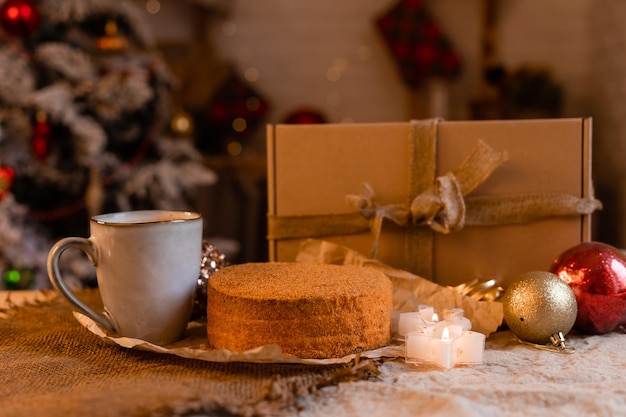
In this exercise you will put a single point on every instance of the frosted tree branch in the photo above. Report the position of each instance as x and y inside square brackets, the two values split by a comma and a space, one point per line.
[16, 76]
[71, 63]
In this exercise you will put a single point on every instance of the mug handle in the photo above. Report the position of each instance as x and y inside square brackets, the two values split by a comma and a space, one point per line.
[86, 245]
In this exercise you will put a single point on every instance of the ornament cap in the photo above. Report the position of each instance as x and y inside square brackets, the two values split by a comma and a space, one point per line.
[557, 342]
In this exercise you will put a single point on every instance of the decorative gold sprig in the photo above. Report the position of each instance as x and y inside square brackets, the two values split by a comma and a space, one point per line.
[480, 290]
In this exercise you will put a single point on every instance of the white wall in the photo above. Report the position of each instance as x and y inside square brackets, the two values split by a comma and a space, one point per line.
[293, 44]
[553, 34]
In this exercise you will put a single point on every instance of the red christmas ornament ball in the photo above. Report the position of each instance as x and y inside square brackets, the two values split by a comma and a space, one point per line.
[19, 17]
[596, 272]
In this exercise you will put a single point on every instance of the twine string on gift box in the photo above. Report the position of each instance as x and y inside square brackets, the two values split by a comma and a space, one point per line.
[441, 203]
[441, 206]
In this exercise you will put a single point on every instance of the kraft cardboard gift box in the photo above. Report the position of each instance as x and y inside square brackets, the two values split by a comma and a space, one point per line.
[451, 201]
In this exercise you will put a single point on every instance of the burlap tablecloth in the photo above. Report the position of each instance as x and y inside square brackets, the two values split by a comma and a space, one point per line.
[51, 366]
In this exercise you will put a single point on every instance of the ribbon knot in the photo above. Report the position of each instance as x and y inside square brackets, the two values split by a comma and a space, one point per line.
[441, 206]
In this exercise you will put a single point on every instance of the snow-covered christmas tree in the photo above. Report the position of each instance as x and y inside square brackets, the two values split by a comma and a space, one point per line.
[84, 110]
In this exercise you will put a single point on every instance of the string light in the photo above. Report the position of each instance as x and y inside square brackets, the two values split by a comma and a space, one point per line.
[153, 6]
[251, 74]
[234, 148]
[253, 103]
[239, 124]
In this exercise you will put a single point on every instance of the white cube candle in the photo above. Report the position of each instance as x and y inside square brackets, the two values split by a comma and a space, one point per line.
[420, 320]
[455, 316]
[448, 346]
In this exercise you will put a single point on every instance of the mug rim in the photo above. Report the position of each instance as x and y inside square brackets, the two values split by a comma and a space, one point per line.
[145, 217]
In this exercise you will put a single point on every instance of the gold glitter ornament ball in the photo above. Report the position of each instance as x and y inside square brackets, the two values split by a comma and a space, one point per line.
[538, 305]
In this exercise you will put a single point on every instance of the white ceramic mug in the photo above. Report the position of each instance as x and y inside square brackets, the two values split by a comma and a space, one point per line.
[147, 266]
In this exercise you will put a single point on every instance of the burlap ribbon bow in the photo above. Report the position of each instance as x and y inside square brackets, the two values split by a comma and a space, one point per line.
[442, 206]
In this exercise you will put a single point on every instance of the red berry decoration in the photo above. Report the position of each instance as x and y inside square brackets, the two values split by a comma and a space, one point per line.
[6, 180]
[19, 17]
[41, 137]
[596, 272]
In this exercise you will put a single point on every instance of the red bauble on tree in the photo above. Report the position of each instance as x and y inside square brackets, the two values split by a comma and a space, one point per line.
[19, 17]
[305, 115]
[6, 180]
[597, 274]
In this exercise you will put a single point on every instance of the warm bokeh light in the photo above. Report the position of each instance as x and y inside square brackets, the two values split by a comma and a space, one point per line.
[253, 103]
[234, 148]
[239, 124]
[252, 74]
[153, 6]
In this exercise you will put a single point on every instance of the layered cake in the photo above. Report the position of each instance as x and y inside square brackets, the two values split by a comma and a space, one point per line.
[309, 310]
